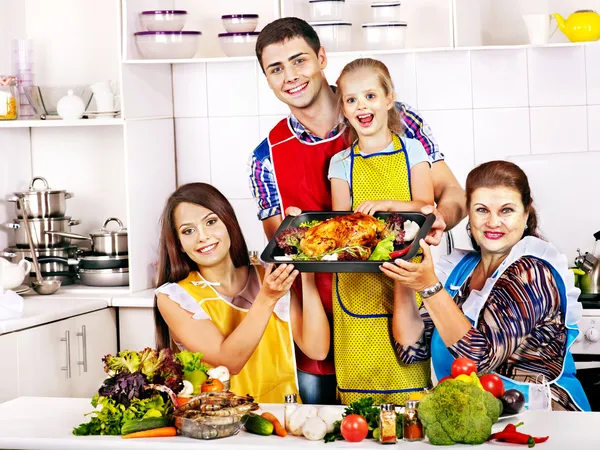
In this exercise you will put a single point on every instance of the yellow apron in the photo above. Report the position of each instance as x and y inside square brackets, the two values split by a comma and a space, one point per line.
[366, 361]
[270, 373]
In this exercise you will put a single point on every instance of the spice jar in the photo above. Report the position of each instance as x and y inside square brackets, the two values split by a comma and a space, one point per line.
[387, 423]
[290, 405]
[412, 427]
[9, 94]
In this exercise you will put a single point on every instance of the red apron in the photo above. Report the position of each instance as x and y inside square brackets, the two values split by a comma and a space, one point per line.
[300, 170]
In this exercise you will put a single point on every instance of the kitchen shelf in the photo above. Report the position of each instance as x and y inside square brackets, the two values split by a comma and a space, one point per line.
[61, 123]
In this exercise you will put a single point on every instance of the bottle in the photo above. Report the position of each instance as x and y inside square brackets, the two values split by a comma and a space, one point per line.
[413, 428]
[387, 424]
[290, 405]
[9, 95]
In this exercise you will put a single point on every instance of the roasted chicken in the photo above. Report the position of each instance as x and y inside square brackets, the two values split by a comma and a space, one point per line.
[343, 231]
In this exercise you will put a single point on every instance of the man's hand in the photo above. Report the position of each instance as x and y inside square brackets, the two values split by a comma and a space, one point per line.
[434, 236]
[293, 211]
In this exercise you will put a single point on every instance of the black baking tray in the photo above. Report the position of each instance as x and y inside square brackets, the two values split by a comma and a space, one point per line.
[272, 250]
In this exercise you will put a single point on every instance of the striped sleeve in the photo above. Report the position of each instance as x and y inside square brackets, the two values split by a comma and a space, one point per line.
[417, 128]
[262, 182]
[420, 350]
[524, 296]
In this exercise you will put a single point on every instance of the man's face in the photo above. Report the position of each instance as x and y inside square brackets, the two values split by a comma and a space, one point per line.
[294, 71]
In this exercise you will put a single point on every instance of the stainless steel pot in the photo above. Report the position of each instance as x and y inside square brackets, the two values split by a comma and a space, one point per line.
[56, 266]
[104, 242]
[42, 203]
[104, 277]
[590, 281]
[39, 228]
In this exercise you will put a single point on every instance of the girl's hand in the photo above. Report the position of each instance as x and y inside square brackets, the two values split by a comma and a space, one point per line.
[414, 276]
[372, 206]
[278, 282]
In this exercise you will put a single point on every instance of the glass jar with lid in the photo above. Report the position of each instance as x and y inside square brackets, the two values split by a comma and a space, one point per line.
[9, 95]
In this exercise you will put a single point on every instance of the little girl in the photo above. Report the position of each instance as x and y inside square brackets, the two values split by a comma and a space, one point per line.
[381, 171]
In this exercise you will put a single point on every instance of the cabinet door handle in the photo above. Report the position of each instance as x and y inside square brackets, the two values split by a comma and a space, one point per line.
[83, 335]
[67, 341]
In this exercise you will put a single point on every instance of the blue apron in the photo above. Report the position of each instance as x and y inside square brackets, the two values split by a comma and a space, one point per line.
[442, 359]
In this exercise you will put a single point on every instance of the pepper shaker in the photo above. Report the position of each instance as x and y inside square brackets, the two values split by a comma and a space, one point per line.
[412, 426]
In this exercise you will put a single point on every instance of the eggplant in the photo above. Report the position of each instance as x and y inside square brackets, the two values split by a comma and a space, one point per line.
[512, 401]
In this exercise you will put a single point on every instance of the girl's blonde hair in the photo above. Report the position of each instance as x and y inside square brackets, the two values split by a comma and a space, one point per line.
[385, 79]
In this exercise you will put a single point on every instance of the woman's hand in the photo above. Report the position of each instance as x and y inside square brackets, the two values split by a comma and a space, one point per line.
[373, 206]
[277, 282]
[415, 276]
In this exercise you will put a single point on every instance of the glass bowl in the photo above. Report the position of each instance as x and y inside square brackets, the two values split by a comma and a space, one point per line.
[163, 20]
[210, 427]
[44, 98]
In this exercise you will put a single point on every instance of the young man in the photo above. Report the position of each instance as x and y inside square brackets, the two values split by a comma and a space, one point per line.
[288, 170]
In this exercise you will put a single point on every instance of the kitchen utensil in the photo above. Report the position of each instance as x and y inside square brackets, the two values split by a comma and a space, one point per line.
[44, 99]
[272, 251]
[240, 23]
[43, 203]
[386, 11]
[589, 282]
[41, 286]
[167, 44]
[332, 10]
[90, 261]
[238, 44]
[538, 28]
[104, 242]
[384, 35]
[104, 277]
[334, 36]
[581, 26]
[40, 226]
[163, 20]
[68, 254]
[21, 289]
[12, 275]
[70, 107]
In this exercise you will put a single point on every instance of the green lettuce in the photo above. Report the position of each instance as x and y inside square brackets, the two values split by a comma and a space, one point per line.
[382, 250]
[191, 361]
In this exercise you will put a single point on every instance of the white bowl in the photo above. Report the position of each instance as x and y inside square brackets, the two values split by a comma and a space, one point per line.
[240, 23]
[384, 35]
[163, 20]
[167, 44]
[334, 36]
[332, 10]
[238, 44]
[386, 11]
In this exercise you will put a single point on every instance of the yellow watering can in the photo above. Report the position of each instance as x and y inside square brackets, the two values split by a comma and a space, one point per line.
[581, 26]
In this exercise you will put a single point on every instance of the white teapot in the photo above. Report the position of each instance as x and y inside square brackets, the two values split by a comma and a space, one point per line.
[12, 275]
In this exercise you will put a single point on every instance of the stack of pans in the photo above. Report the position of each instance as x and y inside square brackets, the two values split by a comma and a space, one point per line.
[107, 264]
[47, 208]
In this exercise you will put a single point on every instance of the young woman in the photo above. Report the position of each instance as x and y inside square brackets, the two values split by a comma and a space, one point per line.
[381, 171]
[510, 305]
[211, 300]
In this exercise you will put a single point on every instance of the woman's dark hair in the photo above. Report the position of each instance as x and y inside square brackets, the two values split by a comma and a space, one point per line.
[284, 29]
[173, 264]
[503, 174]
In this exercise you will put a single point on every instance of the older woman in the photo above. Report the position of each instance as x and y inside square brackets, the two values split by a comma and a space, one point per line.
[510, 306]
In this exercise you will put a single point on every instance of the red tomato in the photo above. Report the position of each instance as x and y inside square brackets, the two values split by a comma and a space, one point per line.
[493, 384]
[462, 366]
[354, 428]
[444, 379]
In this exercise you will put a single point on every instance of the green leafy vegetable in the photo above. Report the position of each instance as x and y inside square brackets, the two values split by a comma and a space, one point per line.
[191, 361]
[382, 250]
[364, 407]
[309, 223]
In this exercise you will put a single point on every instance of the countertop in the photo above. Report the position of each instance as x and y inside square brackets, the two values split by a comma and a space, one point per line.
[71, 301]
[47, 423]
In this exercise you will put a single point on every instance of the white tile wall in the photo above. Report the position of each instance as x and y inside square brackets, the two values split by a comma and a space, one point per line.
[524, 104]
[556, 76]
[560, 129]
[499, 78]
[444, 80]
[189, 90]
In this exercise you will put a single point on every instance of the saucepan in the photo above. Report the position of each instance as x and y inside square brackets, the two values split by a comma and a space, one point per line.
[105, 241]
[42, 203]
[90, 261]
[105, 277]
[39, 231]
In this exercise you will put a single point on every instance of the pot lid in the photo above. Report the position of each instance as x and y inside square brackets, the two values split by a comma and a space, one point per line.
[33, 191]
[240, 16]
[121, 231]
[164, 11]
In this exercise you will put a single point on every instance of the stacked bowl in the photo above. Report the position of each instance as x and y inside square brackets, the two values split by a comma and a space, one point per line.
[163, 36]
[240, 38]
[326, 17]
[387, 30]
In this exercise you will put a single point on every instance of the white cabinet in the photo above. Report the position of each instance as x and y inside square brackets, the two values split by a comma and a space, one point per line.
[64, 359]
[9, 374]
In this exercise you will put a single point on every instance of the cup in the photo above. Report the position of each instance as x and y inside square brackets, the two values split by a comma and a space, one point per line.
[102, 87]
[538, 28]
[105, 101]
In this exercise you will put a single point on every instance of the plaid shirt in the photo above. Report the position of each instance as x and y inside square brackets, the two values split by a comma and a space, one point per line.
[262, 179]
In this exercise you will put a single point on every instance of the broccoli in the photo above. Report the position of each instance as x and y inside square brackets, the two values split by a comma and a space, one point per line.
[458, 412]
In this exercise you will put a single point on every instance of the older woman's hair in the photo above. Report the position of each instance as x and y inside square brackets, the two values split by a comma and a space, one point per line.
[503, 174]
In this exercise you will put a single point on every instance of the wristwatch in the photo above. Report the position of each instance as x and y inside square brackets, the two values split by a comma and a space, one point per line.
[431, 290]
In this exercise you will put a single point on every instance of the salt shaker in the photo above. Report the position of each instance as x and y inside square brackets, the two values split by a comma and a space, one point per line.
[290, 405]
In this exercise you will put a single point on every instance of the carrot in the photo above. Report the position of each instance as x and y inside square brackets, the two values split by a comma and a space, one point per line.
[278, 428]
[155, 432]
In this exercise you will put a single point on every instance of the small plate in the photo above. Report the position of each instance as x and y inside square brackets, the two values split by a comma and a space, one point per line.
[21, 289]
